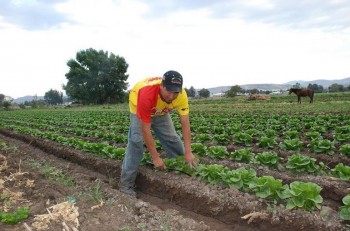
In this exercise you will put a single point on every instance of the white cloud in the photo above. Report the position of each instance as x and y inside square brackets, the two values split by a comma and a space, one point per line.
[208, 51]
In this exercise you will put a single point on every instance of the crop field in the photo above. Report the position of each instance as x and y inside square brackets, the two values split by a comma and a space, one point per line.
[262, 165]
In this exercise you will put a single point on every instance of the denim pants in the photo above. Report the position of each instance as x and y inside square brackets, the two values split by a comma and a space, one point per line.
[163, 129]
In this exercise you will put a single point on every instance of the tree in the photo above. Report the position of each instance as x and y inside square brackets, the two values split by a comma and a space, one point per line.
[205, 93]
[336, 87]
[297, 85]
[96, 77]
[6, 104]
[53, 97]
[2, 97]
[315, 87]
[233, 91]
[191, 92]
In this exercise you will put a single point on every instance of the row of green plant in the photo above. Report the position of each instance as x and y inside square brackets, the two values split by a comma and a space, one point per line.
[297, 194]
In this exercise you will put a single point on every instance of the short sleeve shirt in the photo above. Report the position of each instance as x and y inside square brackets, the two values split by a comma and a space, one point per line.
[145, 101]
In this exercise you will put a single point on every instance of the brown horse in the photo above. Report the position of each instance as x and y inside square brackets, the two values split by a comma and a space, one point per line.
[303, 93]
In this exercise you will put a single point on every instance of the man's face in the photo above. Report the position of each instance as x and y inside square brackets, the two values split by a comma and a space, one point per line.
[166, 95]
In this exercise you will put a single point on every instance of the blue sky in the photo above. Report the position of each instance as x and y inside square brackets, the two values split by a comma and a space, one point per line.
[211, 43]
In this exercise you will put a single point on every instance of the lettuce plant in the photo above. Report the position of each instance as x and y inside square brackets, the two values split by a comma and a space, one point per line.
[300, 164]
[270, 188]
[244, 155]
[199, 148]
[239, 178]
[321, 146]
[267, 142]
[341, 171]
[243, 138]
[211, 173]
[291, 144]
[345, 149]
[269, 159]
[304, 195]
[344, 211]
[217, 152]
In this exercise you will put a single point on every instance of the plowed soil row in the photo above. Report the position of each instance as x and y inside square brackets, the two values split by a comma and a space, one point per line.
[201, 206]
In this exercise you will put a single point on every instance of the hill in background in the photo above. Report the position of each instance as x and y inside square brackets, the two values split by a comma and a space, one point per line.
[265, 86]
[275, 87]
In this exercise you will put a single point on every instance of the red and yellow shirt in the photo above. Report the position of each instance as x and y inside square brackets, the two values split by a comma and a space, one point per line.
[145, 101]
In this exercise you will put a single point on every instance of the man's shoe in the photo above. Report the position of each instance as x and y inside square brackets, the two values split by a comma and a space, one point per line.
[128, 190]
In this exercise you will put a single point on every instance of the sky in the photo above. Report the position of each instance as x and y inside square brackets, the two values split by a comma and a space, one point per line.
[210, 43]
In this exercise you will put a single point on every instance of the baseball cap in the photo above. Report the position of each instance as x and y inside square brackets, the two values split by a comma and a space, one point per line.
[172, 81]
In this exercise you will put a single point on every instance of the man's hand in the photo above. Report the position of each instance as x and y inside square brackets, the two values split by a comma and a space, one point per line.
[190, 159]
[158, 163]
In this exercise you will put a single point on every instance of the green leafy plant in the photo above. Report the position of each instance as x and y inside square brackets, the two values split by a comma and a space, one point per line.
[267, 142]
[202, 138]
[269, 159]
[244, 155]
[344, 211]
[243, 138]
[199, 148]
[345, 149]
[313, 135]
[211, 173]
[291, 134]
[269, 187]
[239, 178]
[291, 144]
[321, 146]
[222, 139]
[304, 195]
[15, 217]
[300, 163]
[341, 171]
[217, 152]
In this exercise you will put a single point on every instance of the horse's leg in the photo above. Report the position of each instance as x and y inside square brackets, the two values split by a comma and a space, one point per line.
[299, 99]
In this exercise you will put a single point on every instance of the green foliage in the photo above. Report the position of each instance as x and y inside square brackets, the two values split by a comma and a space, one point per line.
[211, 173]
[96, 77]
[217, 152]
[233, 91]
[178, 164]
[239, 178]
[199, 148]
[291, 134]
[300, 163]
[269, 159]
[313, 135]
[304, 195]
[267, 142]
[341, 171]
[270, 188]
[204, 93]
[344, 211]
[53, 97]
[345, 149]
[15, 217]
[321, 146]
[243, 138]
[244, 155]
[291, 144]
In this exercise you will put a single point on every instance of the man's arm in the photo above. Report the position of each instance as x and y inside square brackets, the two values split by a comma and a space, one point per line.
[186, 134]
[148, 138]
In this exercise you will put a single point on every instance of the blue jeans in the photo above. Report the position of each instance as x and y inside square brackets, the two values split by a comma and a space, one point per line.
[164, 130]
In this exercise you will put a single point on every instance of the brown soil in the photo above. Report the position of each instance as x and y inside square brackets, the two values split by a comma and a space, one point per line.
[166, 200]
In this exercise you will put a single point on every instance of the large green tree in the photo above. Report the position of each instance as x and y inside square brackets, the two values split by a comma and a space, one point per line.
[53, 97]
[96, 77]
[233, 91]
[205, 93]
